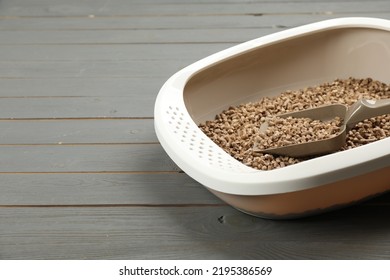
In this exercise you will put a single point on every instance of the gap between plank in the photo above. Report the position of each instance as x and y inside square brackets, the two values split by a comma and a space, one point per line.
[141, 205]
[76, 118]
[79, 144]
[91, 172]
[188, 15]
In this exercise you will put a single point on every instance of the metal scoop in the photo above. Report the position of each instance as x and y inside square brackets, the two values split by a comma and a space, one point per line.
[361, 110]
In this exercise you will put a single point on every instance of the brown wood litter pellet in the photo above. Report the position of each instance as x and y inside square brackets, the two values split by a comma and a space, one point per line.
[236, 129]
[282, 132]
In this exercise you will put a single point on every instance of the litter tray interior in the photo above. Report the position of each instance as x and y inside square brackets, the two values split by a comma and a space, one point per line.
[288, 65]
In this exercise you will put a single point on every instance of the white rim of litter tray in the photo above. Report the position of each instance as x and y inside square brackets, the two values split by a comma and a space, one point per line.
[206, 162]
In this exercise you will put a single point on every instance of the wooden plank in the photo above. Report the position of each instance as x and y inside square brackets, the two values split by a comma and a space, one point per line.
[16, 4]
[165, 36]
[134, 87]
[78, 69]
[85, 158]
[123, 8]
[189, 233]
[171, 22]
[103, 189]
[159, 53]
[90, 131]
[136, 105]
[109, 189]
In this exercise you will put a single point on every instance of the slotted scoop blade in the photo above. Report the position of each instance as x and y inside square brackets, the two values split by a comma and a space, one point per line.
[361, 110]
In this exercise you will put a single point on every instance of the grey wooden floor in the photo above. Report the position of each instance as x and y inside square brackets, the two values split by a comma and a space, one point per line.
[82, 175]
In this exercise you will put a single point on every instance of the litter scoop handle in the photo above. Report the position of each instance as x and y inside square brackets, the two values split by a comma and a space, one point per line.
[365, 109]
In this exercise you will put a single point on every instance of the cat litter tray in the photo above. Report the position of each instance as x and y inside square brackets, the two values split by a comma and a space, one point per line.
[291, 59]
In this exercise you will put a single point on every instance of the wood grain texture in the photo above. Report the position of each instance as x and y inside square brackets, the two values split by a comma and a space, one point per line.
[210, 232]
[80, 131]
[72, 69]
[108, 189]
[122, 8]
[175, 22]
[109, 52]
[85, 158]
[135, 105]
[81, 87]
[165, 36]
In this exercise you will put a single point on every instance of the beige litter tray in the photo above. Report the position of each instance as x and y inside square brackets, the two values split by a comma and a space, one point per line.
[291, 59]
